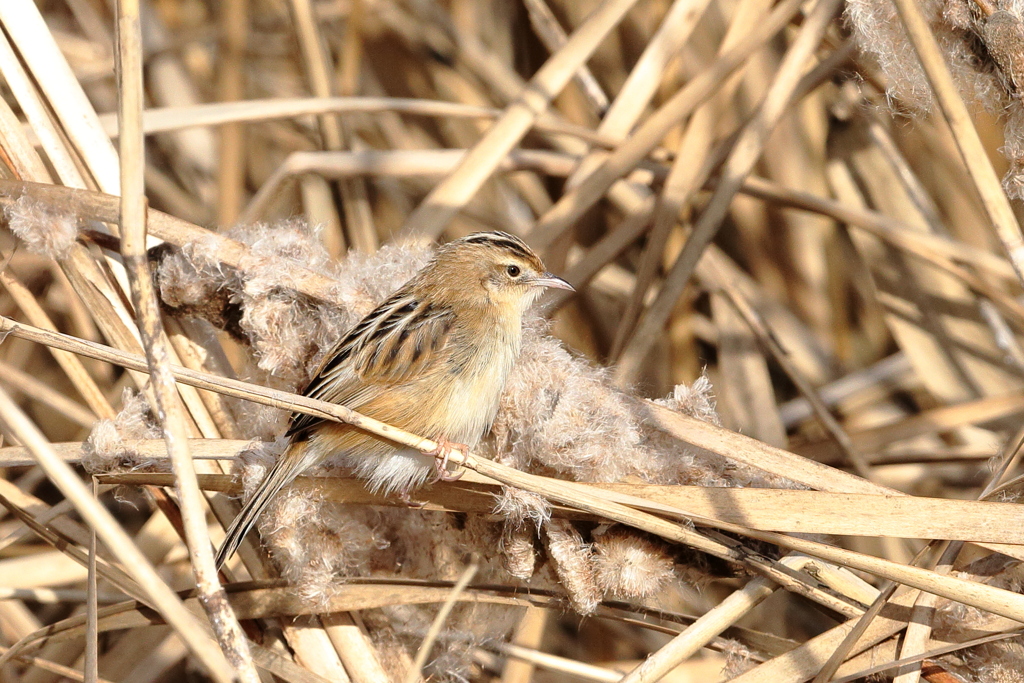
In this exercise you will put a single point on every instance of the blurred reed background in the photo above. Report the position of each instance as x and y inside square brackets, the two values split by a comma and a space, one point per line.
[795, 225]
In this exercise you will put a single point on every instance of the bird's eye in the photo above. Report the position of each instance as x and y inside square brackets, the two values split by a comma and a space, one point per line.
[513, 271]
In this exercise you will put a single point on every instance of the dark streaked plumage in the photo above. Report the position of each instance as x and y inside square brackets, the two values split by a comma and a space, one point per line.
[432, 359]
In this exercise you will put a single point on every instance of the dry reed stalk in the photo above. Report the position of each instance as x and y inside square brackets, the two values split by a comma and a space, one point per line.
[747, 396]
[132, 223]
[691, 640]
[27, 29]
[164, 119]
[232, 253]
[90, 665]
[919, 627]
[583, 498]
[230, 168]
[893, 231]
[397, 164]
[70, 363]
[528, 635]
[625, 157]
[44, 514]
[737, 167]
[41, 392]
[554, 38]
[684, 178]
[359, 222]
[354, 647]
[997, 206]
[430, 638]
[810, 512]
[61, 670]
[562, 665]
[115, 539]
[821, 412]
[47, 133]
[629, 104]
[106, 302]
[450, 195]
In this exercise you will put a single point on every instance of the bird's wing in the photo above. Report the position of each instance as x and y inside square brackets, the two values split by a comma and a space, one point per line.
[402, 340]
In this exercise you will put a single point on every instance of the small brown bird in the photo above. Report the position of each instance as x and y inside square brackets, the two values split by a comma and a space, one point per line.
[432, 359]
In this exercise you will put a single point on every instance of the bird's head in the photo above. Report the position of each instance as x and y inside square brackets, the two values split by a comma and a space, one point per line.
[494, 268]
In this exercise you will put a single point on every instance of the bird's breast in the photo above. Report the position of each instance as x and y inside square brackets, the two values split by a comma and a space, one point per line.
[477, 386]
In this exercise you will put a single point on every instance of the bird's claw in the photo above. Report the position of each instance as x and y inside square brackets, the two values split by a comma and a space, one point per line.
[403, 495]
[441, 454]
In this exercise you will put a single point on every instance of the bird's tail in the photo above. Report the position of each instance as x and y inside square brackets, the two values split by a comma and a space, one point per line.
[287, 467]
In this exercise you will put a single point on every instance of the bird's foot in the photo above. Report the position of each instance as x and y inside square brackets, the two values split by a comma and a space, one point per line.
[441, 454]
[403, 495]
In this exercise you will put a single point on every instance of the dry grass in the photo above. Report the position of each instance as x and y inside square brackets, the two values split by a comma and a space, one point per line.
[795, 206]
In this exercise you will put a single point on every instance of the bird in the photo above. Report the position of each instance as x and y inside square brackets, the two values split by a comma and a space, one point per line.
[432, 360]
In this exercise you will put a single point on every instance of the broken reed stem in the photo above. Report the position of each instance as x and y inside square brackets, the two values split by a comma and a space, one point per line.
[972, 151]
[169, 409]
[629, 510]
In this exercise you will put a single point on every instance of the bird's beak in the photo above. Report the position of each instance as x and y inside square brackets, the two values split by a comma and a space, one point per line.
[553, 281]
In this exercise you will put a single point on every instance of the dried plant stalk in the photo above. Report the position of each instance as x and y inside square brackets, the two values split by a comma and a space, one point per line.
[133, 249]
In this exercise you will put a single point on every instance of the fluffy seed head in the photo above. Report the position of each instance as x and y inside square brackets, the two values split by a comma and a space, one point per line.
[111, 446]
[44, 231]
[572, 560]
[629, 565]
